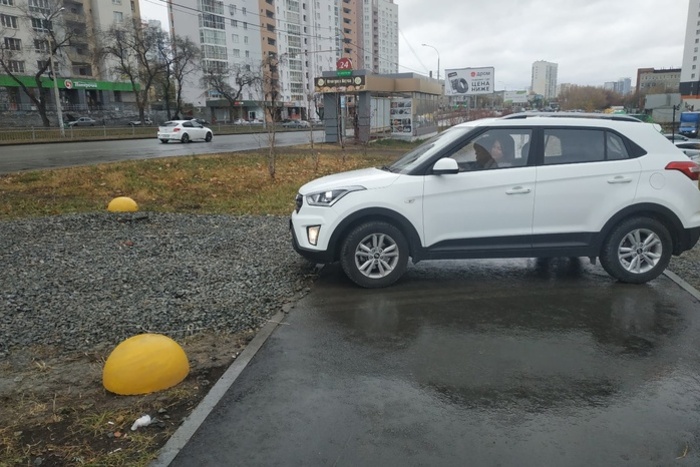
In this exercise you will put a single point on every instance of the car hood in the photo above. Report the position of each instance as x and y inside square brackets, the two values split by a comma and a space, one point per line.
[371, 178]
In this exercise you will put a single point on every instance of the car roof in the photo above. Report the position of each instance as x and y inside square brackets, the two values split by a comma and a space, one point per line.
[602, 116]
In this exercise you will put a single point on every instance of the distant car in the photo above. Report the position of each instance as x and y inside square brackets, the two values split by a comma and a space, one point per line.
[83, 121]
[184, 131]
[676, 137]
[138, 122]
[690, 148]
[296, 124]
[240, 121]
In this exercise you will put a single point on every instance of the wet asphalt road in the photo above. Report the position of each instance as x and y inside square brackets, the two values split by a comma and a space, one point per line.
[484, 363]
[54, 155]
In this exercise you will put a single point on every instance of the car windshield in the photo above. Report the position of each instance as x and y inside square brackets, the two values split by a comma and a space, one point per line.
[412, 159]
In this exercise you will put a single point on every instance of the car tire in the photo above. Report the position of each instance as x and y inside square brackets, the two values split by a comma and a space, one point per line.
[185, 138]
[209, 137]
[374, 254]
[637, 250]
[163, 140]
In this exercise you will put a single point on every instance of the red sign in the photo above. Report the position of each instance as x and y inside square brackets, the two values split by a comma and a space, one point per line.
[343, 64]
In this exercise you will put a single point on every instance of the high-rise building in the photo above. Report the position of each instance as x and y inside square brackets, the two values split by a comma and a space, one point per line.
[84, 77]
[690, 71]
[304, 37]
[380, 31]
[544, 79]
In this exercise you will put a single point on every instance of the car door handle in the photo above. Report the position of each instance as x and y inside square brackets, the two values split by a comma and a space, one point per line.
[518, 190]
[619, 179]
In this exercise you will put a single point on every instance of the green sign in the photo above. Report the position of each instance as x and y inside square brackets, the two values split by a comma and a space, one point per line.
[344, 72]
[70, 83]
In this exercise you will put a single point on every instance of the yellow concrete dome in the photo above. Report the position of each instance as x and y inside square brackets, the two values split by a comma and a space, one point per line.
[143, 364]
[122, 204]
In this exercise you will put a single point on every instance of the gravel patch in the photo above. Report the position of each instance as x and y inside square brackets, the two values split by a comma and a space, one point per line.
[77, 281]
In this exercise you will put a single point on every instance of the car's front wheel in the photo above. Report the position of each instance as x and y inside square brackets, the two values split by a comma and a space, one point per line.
[637, 250]
[374, 254]
[209, 137]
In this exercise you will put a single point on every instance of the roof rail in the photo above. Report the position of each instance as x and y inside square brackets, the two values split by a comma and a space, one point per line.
[602, 116]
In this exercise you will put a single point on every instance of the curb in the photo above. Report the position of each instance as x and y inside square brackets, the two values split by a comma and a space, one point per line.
[192, 423]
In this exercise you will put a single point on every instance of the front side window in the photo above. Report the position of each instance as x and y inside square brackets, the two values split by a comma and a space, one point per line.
[498, 148]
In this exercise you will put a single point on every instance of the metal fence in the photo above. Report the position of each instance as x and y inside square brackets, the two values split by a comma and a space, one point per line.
[52, 135]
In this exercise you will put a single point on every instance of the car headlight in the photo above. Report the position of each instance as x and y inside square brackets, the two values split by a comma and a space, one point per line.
[330, 197]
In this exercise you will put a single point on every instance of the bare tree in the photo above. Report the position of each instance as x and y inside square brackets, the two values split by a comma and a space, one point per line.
[269, 87]
[180, 59]
[220, 78]
[137, 54]
[49, 37]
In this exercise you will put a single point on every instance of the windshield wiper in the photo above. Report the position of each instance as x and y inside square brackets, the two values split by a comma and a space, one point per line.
[386, 168]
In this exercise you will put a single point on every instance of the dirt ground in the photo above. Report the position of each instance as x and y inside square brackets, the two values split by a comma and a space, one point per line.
[54, 410]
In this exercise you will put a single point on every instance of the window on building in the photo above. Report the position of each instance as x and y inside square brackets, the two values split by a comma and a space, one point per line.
[232, 9]
[116, 2]
[236, 52]
[7, 2]
[247, 53]
[245, 39]
[243, 10]
[41, 46]
[40, 6]
[15, 66]
[41, 25]
[234, 38]
[118, 17]
[234, 23]
[12, 43]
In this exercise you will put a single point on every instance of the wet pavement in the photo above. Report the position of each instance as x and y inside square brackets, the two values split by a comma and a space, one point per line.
[511, 363]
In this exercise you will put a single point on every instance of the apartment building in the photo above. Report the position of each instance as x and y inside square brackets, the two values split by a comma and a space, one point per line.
[83, 76]
[689, 85]
[658, 80]
[380, 19]
[304, 38]
[544, 79]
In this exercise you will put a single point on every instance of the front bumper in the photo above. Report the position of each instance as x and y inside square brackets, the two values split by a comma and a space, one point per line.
[316, 256]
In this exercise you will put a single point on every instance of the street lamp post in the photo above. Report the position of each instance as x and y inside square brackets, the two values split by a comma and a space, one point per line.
[56, 96]
[438, 55]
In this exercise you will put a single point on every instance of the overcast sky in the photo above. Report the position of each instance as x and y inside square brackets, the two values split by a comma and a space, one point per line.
[593, 41]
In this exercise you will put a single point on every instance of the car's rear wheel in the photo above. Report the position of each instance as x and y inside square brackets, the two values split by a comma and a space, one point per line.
[185, 138]
[374, 254]
[209, 137]
[637, 250]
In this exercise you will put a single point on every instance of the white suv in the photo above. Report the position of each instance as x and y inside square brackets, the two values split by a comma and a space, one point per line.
[505, 188]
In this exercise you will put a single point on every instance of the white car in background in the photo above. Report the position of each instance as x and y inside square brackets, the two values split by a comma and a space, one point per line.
[184, 131]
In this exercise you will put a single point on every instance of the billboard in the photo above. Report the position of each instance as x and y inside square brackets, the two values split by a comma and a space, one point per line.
[515, 97]
[469, 81]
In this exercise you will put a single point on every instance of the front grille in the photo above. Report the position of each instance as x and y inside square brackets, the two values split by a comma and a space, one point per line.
[298, 201]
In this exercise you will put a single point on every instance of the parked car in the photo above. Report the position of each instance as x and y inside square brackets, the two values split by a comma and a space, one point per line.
[675, 137]
[606, 189]
[296, 124]
[184, 131]
[139, 123]
[240, 121]
[690, 148]
[83, 121]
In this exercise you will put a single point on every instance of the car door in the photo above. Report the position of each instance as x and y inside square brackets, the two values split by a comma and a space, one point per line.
[586, 176]
[482, 208]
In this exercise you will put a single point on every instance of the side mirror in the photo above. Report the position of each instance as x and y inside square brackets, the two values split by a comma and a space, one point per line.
[444, 166]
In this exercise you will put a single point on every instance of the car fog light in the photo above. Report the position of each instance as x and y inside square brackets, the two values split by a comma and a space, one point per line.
[312, 234]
